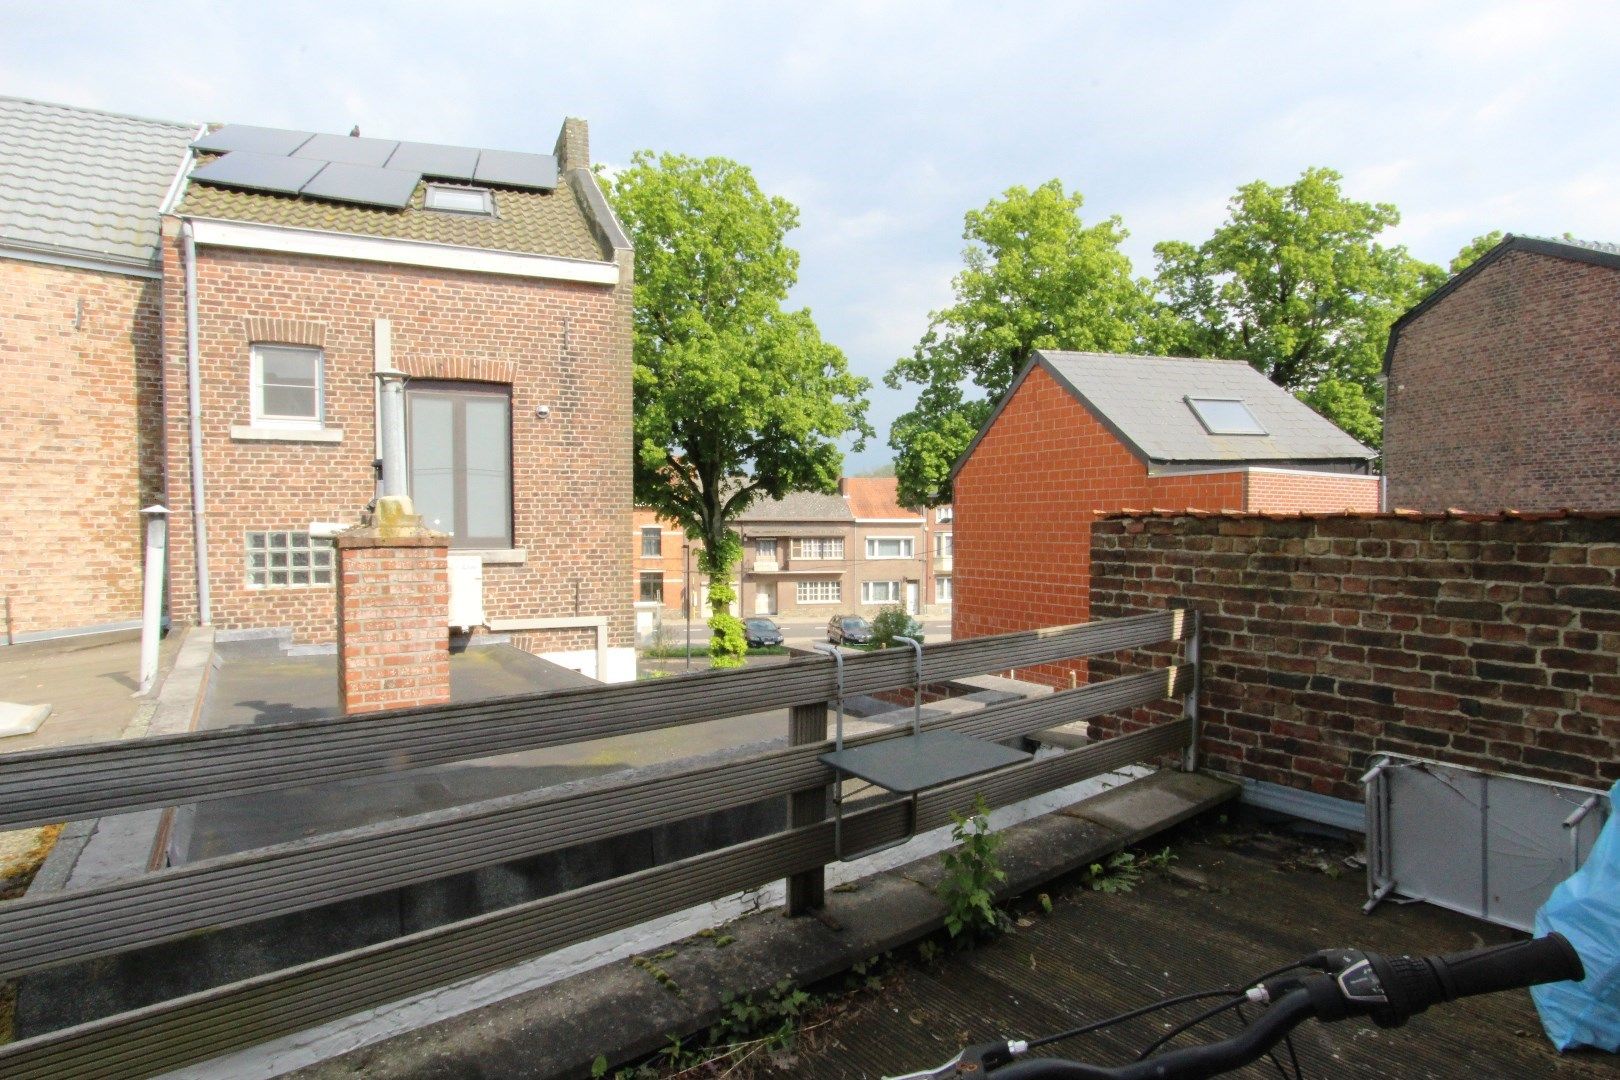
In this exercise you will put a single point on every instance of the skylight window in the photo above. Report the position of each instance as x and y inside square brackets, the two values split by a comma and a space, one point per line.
[460, 200]
[1225, 416]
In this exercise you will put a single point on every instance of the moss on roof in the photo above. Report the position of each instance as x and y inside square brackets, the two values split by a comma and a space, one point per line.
[531, 222]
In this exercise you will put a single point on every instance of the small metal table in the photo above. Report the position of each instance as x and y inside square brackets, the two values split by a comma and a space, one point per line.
[907, 765]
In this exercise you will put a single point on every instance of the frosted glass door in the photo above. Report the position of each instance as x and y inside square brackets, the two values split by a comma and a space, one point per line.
[460, 451]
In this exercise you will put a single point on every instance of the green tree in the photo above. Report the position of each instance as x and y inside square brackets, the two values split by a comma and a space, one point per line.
[1296, 283]
[1035, 277]
[736, 397]
[1472, 250]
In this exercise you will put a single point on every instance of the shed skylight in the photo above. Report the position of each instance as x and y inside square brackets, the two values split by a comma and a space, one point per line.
[1225, 416]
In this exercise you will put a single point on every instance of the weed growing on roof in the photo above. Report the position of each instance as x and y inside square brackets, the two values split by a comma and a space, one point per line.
[972, 872]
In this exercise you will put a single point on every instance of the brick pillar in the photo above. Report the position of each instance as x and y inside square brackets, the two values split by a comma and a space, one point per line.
[393, 603]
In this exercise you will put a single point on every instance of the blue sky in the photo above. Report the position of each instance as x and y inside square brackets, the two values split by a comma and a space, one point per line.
[885, 122]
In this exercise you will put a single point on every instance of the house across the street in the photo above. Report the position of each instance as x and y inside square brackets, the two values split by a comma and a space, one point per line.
[1503, 386]
[1080, 434]
[295, 275]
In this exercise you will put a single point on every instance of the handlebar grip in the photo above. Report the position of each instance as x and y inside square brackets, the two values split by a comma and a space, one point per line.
[1413, 983]
[1507, 967]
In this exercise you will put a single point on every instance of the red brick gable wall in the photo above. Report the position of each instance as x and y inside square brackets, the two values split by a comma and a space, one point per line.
[1024, 504]
[563, 345]
[1505, 394]
[80, 442]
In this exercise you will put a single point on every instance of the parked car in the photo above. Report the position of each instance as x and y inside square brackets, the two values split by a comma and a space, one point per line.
[849, 630]
[761, 632]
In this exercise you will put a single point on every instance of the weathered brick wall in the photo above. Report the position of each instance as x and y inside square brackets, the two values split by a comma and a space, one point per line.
[393, 646]
[1504, 394]
[564, 345]
[1488, 642]
[80, 442]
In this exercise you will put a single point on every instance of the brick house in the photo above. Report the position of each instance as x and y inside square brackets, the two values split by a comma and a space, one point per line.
[813, 555]
[495, 285]
[80, 304]
[660, 560]
[1503, 386]
[1080, 434]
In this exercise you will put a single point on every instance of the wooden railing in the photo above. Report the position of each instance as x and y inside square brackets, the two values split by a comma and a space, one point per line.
[39, 787]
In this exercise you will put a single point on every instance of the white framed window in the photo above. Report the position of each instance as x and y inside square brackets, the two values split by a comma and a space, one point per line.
[942, 590]
[890, 547]
[825, 547]
[944, 545]
[460, 200]
[287, 560]
[880, 592]
[288, 386]
[943, 514]
[820, 592]
[652, 541]
[765, 548]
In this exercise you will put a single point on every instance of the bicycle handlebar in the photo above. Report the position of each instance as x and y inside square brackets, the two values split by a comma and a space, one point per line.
[1390, 990]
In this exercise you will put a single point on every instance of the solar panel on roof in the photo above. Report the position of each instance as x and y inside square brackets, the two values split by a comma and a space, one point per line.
[260, 172]
[517, 170]
[363, 184]
[348, 150]
[429, 159]
[254, 140]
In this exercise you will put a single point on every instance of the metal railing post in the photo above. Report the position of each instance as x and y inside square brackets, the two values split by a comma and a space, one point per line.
[807, 891]
[1189, 700]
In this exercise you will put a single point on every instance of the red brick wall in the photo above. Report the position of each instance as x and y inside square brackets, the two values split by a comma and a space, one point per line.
[1504, 394]
[562, 344]
[1287, 491]
[671, 562]
[393, 646]
[1487, 643]
[1024, 503]
[80, 442]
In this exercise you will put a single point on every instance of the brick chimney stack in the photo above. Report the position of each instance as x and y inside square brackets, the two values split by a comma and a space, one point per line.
[393, 606]
[573, 145]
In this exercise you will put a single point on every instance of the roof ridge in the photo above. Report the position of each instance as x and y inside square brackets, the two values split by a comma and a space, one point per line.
[179, 125]
[1141, 356]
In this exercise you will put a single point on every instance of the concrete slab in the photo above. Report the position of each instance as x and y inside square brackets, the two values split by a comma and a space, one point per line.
[16, 719]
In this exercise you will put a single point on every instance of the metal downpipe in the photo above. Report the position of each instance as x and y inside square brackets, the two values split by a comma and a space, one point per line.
[199, 502]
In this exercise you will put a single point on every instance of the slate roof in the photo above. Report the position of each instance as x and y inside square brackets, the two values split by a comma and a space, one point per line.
[1142, 400]
[799, 506]
[83, 182]
[875, 498]
[530, 222]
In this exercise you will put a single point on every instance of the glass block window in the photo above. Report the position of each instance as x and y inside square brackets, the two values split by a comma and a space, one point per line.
[820, 592]
[287, 560]
[827, 547]
[880, 592]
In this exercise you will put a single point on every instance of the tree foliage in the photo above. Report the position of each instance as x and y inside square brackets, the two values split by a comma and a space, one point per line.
[1472, 250]
[1035, 277]
[1296, 283]
[736, 397]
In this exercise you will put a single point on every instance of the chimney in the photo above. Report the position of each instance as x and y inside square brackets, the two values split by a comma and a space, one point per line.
[843, 486]
[573, 145]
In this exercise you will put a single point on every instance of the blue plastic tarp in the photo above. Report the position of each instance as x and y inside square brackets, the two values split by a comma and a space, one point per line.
[1586, 910]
